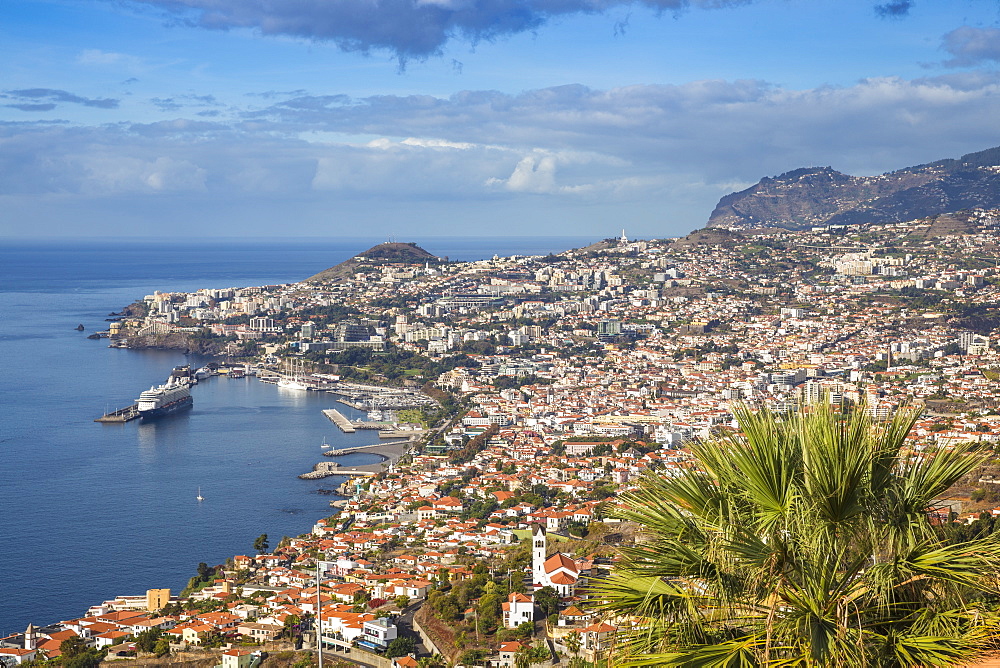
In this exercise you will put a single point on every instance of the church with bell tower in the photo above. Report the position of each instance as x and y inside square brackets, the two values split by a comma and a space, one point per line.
[558, 571]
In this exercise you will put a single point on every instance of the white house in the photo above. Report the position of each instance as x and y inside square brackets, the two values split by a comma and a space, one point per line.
[378, 633]
[518, 609]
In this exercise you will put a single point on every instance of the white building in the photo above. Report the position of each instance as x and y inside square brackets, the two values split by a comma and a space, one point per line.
[558, 571]
[518, 609]
[378, 633]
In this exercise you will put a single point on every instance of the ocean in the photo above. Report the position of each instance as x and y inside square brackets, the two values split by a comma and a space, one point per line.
[90, 511]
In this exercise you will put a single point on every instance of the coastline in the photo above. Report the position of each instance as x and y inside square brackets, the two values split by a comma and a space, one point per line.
[143, 478]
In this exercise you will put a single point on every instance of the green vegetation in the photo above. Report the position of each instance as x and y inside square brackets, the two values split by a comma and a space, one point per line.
[808, 541]
[401, 646]
[205, 576]
[76, 654]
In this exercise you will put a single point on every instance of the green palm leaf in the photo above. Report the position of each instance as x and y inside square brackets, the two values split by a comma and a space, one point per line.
[804, 540]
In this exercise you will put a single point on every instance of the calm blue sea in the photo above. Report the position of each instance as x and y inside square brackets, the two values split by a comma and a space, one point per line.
[91, 511]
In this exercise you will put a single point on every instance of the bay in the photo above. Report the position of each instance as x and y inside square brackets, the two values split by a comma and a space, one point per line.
[91, 511]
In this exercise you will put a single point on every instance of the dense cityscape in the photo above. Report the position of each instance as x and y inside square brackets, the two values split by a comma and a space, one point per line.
[547, 387]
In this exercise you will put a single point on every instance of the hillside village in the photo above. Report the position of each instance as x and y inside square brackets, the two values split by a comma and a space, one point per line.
[558, 381]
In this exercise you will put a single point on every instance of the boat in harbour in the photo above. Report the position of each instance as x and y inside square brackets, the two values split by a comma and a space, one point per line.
[325, 444]
[292, 384]
[294, 377]
[168, 398]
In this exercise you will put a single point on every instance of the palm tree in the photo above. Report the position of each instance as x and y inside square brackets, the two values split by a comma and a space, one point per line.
[805, 540]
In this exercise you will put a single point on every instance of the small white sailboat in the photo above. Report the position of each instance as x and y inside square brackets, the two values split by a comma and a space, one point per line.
[325, 444]
[200, 497]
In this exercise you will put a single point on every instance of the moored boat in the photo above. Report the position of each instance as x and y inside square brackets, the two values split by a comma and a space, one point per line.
[168, 398]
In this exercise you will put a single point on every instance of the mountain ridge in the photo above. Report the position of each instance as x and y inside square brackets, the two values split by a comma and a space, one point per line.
[816, 196]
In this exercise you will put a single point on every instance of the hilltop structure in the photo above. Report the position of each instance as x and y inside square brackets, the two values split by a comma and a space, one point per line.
[389, 252]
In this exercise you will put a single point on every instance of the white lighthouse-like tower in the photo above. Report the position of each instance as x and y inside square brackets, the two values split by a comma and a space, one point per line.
[538, 546]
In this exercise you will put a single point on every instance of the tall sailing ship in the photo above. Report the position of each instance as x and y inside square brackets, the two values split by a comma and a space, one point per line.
[294, 377]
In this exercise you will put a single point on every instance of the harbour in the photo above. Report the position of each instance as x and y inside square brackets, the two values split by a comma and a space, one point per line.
[244, 442]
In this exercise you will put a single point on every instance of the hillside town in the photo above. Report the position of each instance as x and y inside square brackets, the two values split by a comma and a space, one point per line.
[553, 384]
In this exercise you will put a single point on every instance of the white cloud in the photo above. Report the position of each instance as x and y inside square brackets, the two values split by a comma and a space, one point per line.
[655, 148]
[533, 175]
[99, 58]
[111, 174]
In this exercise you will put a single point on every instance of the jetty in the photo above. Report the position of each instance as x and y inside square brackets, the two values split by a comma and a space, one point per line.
[322, 470]
[121, 415]
[338, 419]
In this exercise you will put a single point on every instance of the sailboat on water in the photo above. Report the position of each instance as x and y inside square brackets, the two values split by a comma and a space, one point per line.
[325, 444]
[200, 497]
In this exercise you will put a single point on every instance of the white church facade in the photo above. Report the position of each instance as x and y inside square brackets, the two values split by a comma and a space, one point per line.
[558, 571]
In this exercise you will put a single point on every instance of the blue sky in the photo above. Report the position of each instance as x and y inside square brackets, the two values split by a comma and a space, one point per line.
[493, 117]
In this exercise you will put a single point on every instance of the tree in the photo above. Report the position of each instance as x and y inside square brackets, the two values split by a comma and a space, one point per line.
[162, 647]
[530, 654]
[76, 654]
[547, 600]
[146, 640]
[472, 657]
[260, 544]
[205, 572]
[573, 643]
[72, 647]
[401, 646]
[805, 540]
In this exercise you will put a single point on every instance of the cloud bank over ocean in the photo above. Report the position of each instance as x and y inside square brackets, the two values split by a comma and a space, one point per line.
[274, 110]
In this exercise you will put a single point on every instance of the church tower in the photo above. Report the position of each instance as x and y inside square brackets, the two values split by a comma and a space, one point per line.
[538, 555]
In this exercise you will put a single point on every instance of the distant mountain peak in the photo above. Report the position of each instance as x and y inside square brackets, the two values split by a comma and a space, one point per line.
[816, 196]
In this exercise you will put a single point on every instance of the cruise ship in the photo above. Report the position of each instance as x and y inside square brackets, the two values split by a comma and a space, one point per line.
[165, 399]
